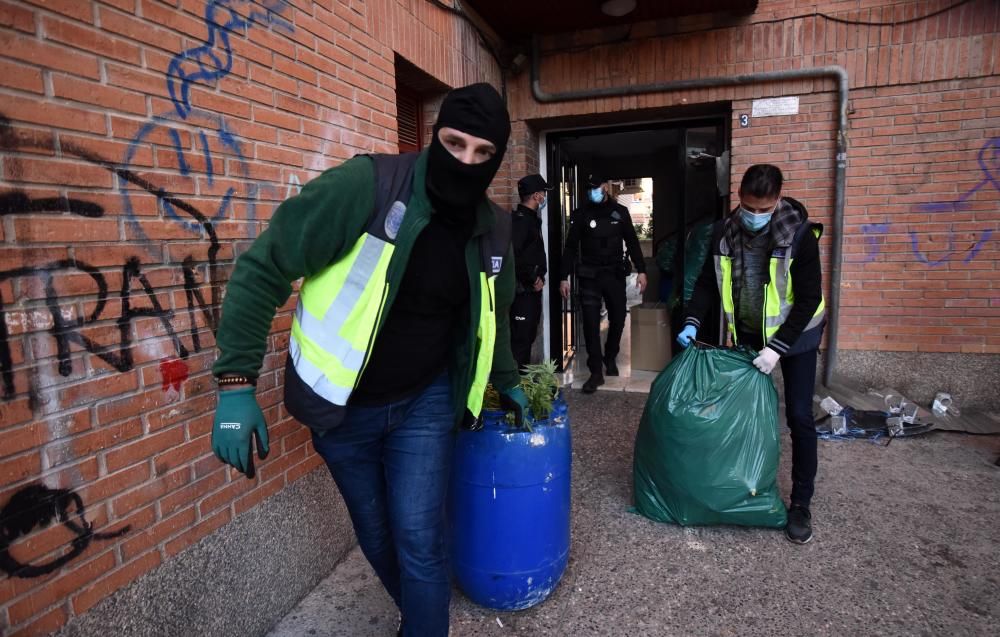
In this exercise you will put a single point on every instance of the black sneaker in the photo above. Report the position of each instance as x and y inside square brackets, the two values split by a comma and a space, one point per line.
[595, 381]
[799, 526]
[611, 367]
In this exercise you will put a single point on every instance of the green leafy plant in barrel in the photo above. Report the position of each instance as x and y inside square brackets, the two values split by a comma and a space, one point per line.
[540, 386]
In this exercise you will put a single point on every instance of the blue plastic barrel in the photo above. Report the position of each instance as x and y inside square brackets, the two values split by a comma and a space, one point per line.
[509, 509]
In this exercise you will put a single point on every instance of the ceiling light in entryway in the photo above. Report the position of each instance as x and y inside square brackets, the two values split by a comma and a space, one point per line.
[617, 8]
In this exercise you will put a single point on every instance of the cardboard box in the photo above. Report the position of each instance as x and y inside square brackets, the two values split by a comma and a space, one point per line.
[650, 337]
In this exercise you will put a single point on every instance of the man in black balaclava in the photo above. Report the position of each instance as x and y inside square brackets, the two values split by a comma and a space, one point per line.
[407, 270]
[457, 180]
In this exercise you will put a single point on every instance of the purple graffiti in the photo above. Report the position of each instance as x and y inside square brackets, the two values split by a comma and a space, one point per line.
[989, 164]
[989, 161]
[970, 253]
[871, 243]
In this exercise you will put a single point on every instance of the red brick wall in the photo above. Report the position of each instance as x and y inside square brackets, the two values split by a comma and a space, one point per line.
[135, 167]
[521, 160]
[922, 211]
[924, 219]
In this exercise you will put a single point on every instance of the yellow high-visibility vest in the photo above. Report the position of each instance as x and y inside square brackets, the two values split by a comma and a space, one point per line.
[341, 308]
[778, 293]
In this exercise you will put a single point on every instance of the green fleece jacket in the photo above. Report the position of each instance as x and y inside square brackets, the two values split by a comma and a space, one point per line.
[319, 226]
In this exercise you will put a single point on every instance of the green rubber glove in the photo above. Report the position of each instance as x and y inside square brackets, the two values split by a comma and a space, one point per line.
[238, 418]
[514, 400]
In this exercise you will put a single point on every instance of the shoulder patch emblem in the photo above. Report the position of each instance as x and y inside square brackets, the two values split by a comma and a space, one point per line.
[394, 219]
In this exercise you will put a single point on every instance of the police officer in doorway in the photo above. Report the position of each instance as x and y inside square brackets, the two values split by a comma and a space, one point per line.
[597, 231]
[529, 266]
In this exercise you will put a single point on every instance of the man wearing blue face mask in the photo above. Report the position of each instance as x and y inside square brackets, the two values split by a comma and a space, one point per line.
[529, 266]
[766, 267]
[598, 230]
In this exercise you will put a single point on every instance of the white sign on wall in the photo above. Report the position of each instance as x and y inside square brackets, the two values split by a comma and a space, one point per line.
[771, 106]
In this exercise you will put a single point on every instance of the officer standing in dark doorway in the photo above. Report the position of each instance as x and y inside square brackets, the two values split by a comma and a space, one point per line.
[529, 266]
[597, 231]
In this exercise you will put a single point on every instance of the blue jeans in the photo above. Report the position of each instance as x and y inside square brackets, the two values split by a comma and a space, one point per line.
[392, 464]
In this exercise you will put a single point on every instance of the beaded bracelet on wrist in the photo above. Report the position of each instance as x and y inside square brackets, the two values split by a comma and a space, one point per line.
[235, 380]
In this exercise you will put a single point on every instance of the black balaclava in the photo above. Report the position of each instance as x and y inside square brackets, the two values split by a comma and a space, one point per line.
[453, 187]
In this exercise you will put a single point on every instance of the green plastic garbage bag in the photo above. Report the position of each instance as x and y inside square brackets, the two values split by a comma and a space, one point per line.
[707, 448]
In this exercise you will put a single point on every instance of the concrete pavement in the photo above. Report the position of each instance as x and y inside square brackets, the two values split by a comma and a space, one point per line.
[906, 542]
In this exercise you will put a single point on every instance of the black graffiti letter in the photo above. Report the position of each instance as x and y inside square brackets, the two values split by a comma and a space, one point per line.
[133, 271]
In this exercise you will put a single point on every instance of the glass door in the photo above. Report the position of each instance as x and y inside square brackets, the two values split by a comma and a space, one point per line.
[564, 333]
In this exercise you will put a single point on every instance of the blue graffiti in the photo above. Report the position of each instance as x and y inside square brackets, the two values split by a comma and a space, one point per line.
[989, 164]
[213, 60]
[208, 62]
[209, 169]
[212, 132]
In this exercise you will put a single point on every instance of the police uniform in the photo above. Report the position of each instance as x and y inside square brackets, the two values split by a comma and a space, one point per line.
[529, 266]
[597, 232]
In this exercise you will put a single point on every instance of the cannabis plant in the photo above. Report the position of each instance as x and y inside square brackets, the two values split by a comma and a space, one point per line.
[540, 386]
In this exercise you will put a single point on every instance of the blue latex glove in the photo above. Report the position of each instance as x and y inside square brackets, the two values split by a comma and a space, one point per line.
[238, 419]
[514, 400]
[686, 337]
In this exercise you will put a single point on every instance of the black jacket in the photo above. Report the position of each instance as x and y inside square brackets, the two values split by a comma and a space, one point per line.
[596, 231]
[807, 282]
[529, 248]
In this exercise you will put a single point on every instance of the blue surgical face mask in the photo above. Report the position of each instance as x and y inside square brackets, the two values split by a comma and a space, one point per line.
[754, 222]
[542, 204]
[596, 195]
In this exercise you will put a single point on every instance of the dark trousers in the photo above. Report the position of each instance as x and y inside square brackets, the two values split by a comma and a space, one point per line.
[610, 289]
[799, 372]
[525, 312]
[392, 464]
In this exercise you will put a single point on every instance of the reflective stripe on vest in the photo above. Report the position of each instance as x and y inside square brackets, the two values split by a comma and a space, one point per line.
[341, 309]
[338, 311]
[724, 278]
[486, 335]
[330, 341]
[778, 295]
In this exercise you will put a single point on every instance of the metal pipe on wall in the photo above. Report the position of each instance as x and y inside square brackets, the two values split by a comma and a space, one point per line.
[840, 160]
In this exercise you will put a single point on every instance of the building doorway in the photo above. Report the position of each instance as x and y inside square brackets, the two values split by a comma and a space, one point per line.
[674, 178]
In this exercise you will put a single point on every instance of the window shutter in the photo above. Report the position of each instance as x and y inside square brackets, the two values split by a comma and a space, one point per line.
[408, 115]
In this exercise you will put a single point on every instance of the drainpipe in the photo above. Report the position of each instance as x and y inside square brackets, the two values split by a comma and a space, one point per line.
[840, 173]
